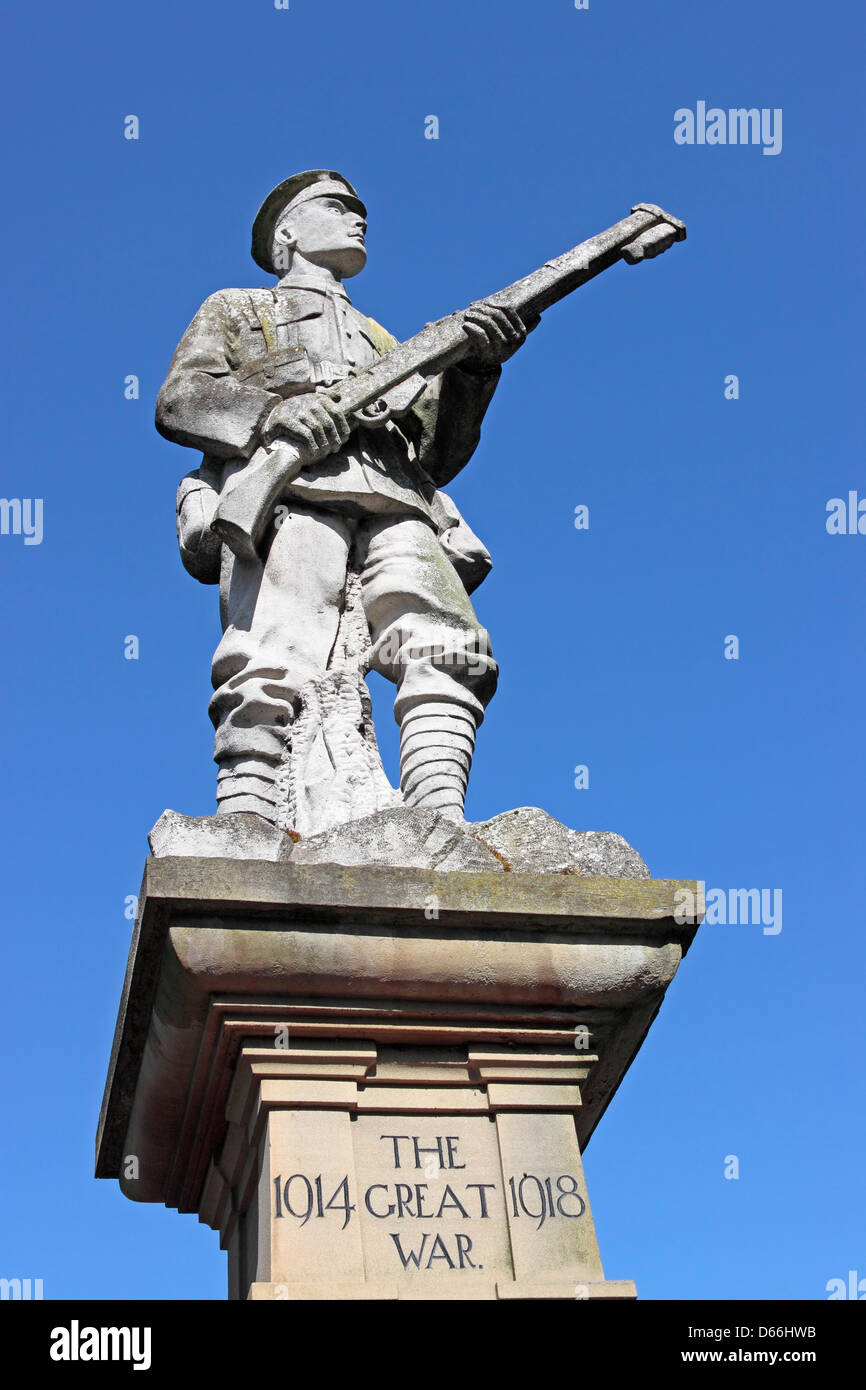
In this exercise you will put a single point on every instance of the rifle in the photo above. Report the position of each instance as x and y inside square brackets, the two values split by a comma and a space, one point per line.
[391, 386]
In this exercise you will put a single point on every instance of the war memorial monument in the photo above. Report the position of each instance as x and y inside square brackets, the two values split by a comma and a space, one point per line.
[366, 1040]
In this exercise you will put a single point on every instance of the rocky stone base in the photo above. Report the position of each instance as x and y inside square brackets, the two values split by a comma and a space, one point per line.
[525, 840]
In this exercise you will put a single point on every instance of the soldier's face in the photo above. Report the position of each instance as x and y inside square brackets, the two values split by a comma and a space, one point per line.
[327, 232]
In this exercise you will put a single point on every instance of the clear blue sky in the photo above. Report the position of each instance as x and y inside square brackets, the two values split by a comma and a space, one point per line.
[707, 518]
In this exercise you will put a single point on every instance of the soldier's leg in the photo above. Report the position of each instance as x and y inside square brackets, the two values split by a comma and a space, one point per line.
[427, 639]
[280, 619]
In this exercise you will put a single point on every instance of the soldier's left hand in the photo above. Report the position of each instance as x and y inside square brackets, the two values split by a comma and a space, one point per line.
[495, 334]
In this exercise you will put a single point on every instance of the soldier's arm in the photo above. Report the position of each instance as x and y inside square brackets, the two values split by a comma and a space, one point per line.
[449, 416]
[200, 404]
[445, 422]
[451, 411]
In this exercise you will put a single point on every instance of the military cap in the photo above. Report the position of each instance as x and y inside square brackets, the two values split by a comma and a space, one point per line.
[314, 183]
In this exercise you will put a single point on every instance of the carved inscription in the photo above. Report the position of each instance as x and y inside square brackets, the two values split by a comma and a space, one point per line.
[308, 1198]
[433, 1199]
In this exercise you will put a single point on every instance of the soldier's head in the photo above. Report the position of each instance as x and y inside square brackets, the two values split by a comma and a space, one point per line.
[315, 217]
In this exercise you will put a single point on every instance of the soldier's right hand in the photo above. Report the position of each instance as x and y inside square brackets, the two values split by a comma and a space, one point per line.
[311, 421]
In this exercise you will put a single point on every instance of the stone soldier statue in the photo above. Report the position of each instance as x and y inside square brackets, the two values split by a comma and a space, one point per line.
[368, 564]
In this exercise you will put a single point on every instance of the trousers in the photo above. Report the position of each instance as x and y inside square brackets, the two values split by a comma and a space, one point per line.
[281, 615]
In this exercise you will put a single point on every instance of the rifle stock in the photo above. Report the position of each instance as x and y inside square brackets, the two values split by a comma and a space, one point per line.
[391, 385]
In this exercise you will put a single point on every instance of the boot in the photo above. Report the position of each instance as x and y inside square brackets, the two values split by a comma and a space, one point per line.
[437, 739]
[247, 784]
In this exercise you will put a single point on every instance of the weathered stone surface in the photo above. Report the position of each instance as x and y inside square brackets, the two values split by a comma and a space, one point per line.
[531, 841]
[400, 838]
[294, 397]
[526, 840]
[239, 836]
[344, 1006]
[297, 1040]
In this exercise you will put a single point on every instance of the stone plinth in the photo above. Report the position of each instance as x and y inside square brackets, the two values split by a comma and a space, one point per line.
[377, 1083]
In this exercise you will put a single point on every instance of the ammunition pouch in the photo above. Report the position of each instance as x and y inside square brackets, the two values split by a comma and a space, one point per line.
[468, 555]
